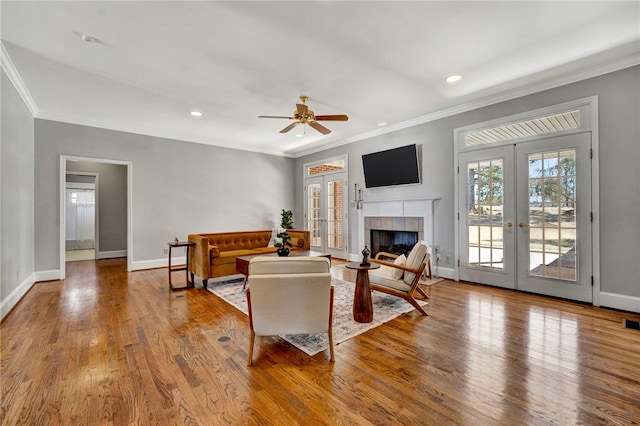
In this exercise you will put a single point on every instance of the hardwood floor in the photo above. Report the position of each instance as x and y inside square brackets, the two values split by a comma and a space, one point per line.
[107, 347]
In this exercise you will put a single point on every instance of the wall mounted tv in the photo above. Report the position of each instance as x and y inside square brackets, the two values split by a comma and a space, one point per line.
[397, 166]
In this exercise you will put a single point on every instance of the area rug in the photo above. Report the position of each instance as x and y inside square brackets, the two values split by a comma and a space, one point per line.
[385, 308]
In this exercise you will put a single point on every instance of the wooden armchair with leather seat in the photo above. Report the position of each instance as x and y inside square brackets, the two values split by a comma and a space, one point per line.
[401, 278]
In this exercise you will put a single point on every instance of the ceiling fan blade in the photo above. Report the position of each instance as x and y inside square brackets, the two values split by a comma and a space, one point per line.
[275, 116]
[340, 117]
[289, 127]
[302, 109]
[319, 127]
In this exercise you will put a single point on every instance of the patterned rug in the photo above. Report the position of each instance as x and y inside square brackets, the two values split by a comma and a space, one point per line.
[385, 308]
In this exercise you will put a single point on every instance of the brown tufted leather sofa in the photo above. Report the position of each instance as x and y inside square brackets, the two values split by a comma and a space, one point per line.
[214, 255]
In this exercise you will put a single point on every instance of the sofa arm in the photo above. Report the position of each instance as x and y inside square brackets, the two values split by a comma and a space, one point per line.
[199, 261]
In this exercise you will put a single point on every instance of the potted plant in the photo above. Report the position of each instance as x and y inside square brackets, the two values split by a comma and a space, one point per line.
[287, 219]
[286, 222]
[284, 244]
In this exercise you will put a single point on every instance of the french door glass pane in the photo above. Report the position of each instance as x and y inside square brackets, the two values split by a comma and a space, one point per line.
[485, 190]
[334, 214]
[313, 214]
[552, 215]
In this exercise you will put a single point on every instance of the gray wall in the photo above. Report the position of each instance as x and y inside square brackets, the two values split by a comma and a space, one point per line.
[112, 203]
[16, 182]
[178, 187]
[619, 160]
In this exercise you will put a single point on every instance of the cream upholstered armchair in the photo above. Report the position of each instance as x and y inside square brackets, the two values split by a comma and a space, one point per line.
[400, 277]
[289, 295]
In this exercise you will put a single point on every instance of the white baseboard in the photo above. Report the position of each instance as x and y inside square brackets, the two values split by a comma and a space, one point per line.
[51, 275]
[157, 263]
[14, 297]
[111, 254]
[443, 272]
[620, 301]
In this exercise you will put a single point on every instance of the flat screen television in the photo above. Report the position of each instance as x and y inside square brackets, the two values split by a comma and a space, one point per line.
[396, 166]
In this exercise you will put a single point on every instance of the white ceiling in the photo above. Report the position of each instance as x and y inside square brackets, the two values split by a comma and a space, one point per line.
[154, 62]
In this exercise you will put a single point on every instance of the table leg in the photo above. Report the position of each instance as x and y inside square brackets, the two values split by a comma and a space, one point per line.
[362, 303]
[170, 284]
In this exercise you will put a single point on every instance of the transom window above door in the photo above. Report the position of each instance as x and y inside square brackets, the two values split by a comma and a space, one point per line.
[331, 166]
[567, 118]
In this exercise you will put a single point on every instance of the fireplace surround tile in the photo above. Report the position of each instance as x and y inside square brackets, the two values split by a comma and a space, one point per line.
[386, 223]
[412, 224]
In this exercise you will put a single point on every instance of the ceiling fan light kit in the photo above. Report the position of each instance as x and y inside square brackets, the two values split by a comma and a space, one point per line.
[303, 115]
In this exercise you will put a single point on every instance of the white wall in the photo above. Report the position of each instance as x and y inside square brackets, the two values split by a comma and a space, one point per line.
[619, 160]
[17, 203]
[178, 188]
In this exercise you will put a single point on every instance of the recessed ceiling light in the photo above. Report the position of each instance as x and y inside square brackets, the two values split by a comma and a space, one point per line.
[382, 124]
[453, 78]
[196, 113]
[300, 135]
[87, 38]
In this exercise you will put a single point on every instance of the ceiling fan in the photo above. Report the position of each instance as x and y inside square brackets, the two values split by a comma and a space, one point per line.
[303, 115]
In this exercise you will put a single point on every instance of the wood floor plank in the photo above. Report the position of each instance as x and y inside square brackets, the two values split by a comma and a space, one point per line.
[109, 347]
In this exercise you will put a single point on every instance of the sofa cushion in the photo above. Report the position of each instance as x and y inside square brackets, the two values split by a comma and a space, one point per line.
[230, 256]
[263, 250]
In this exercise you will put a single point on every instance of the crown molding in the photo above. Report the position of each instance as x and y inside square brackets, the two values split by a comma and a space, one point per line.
[592, 72]
[138, 130]
[7, 65]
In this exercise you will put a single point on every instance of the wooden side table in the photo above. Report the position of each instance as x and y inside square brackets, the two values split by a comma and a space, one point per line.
[185, 268]
[362, 303]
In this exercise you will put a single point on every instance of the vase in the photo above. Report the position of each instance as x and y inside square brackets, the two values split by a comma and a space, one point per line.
[283, 251]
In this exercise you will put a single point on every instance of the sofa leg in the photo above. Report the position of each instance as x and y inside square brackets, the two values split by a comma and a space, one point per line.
[204, 283]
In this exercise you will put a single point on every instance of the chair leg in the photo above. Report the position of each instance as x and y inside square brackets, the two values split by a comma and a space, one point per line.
[416, 305]
[251, 342]
[422, 293]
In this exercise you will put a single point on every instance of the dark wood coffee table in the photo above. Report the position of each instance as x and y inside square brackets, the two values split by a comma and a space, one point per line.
[242, 262]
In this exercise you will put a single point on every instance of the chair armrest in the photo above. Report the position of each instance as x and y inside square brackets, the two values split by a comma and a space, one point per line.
[386, 254]
[393, 265]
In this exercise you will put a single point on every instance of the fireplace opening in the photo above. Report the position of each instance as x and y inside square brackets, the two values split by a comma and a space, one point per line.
[396, 242]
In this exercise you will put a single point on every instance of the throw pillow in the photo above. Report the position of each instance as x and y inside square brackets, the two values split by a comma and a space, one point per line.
[400, 261]
[274, 237]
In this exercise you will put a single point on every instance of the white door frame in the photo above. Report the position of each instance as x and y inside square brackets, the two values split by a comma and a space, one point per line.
[589, 122]
[62, 181]
[342, 167]
[96, 215]
[323, 179]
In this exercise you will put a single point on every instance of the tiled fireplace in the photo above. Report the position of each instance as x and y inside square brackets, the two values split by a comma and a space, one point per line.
[405, 217]
[392, 234]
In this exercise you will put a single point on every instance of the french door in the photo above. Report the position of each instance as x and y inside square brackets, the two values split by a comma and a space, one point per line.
[325, 213]
[525, 219]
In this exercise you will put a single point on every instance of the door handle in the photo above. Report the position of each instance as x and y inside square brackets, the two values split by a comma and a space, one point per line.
[509, 224]
[523, 224]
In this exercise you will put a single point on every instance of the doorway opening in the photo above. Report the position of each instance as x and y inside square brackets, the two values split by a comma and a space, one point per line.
[81, 216]
[68, 165]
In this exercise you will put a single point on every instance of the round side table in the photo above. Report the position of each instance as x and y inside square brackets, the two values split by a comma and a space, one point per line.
[362, 304]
